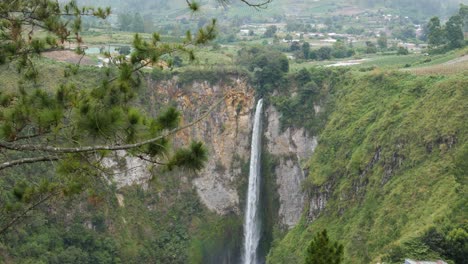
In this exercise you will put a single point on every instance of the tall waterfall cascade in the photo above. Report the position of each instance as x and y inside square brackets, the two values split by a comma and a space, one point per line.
[252, 220]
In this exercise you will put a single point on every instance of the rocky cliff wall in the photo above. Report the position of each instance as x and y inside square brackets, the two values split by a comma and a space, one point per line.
[292, 147]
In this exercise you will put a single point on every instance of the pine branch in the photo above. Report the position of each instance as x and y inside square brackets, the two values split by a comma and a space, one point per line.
[259, 5]
[62, 150]
[150, 160]
[25, 161]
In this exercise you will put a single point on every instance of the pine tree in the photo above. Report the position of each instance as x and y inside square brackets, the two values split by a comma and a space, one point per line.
[322, 251]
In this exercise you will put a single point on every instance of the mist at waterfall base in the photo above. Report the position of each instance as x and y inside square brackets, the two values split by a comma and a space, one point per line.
[252, 220]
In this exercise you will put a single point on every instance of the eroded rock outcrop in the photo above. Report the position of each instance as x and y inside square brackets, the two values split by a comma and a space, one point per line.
[125, 170]
[226, 133]
[293, 147]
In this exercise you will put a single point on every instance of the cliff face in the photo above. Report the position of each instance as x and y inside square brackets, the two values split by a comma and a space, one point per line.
[292, 147]
[226, 133]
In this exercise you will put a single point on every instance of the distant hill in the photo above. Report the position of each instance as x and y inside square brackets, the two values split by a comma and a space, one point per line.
[419, 9]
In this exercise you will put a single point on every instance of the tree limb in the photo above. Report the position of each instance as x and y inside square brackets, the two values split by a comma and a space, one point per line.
[150, 160]
[25, 161]
[259, 5]
[53, 149]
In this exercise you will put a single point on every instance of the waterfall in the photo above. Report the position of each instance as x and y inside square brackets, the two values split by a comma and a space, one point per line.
[252, 221]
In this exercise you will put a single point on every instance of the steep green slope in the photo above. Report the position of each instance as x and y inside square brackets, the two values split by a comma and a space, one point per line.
[392, 165]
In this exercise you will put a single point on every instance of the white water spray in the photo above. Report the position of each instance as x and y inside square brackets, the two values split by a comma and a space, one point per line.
[252, 221]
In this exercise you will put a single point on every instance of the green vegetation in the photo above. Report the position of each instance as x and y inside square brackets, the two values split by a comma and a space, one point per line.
[338, 50]
[313, 87]
[450, 36]
[269, 201]
[322, 251]
[268, 66]
[156, 225]
[388, 164]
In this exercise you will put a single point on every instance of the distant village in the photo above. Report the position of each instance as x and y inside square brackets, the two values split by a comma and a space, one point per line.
[322, 34]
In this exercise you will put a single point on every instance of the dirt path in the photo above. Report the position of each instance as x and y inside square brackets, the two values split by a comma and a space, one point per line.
[457, 60]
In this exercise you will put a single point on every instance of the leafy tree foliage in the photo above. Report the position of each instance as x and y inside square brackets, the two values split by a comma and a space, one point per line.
[370, 47]
[402, 51]
[463, 12]
[450, 243]
[322, 251]
[338, 50]
[341, 51]
[382, 41]
[436, 35]
[324, 53]
[268, 66]
[305, 50]
[404, 33]
[448, 37]
[270, 31]
[454, 29]
[295, 46]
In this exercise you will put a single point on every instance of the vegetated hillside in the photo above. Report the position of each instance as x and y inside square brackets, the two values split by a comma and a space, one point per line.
[388, 179]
